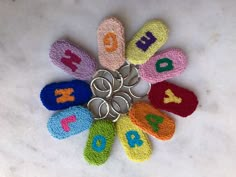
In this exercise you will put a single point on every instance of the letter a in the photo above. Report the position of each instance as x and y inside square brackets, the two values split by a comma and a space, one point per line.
[154, 120]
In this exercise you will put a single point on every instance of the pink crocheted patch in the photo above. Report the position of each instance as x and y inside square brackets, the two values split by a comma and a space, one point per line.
[72, 60]
[111, 44]
[165, 65]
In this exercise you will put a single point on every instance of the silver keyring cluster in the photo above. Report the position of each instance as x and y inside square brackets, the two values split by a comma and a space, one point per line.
[114, 92]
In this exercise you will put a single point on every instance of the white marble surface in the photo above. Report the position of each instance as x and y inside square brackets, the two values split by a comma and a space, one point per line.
[204, 144]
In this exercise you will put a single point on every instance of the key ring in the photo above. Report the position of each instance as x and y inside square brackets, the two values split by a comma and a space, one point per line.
[131, 69]
[111, 73]
[99, 108]
[118, 97]
[125, 95]
[122, 68]
[119, 111]
[94, 87]
[139, 96]
[114, 117]
[120, 79]
[101, 73]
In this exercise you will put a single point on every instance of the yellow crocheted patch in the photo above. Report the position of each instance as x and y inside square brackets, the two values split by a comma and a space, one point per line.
[147, 41]
[171, 97]
[65, 95]
[134, 141]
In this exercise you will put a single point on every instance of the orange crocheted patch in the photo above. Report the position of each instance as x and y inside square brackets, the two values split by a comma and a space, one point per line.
[64, 95]
[110, 42]
[152, 121]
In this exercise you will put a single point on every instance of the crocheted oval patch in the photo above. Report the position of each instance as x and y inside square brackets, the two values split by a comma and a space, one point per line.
[165, 65]
[111, 43]
[147, 41]
[135, 143]
[173, 98]
[69, 122]
[152, 120]
[100, 140]
[72, 60]
[61, 95]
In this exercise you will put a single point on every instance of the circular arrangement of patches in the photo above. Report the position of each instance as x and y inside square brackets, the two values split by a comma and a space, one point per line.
[108, 101]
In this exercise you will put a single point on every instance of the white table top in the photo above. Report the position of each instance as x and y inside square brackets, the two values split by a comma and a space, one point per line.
[204, 144]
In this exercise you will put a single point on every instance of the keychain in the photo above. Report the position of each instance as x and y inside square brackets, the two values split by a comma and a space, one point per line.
[111, 103]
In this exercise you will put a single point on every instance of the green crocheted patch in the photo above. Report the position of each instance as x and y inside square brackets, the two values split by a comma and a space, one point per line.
[99, 143]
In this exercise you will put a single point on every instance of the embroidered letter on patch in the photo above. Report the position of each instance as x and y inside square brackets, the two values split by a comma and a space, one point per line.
[66, 121]
[133, 138]
[99, 143]
[154, 120]
[71, 60]
[134, 141]
[171, 97]
[64, 95]
[159, 65]
[146, 41]
[110, 42]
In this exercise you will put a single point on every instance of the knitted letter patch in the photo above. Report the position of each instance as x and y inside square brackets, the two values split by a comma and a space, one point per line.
[173, 98]
[111, 44]
[100, 140]
[152, 120]
[165, 65]
[72, 60]
[61, 95]
[69, 122]
[135, 143]
[147, 41]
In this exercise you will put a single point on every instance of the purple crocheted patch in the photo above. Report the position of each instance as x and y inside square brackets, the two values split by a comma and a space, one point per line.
[72, 60]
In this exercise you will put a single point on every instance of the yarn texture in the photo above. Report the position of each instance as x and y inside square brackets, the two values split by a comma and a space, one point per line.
[134, 141]
[172, 98]
[100, 140]
[72, 60]
[69, 122]
[147, 41]
[62, 95]
[152, 120]
[165, 65]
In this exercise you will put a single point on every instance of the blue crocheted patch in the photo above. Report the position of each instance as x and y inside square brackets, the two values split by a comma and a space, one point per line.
[62, 95]
[69, 122]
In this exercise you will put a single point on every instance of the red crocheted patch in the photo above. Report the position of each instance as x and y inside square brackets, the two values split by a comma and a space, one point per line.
[173, 98]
